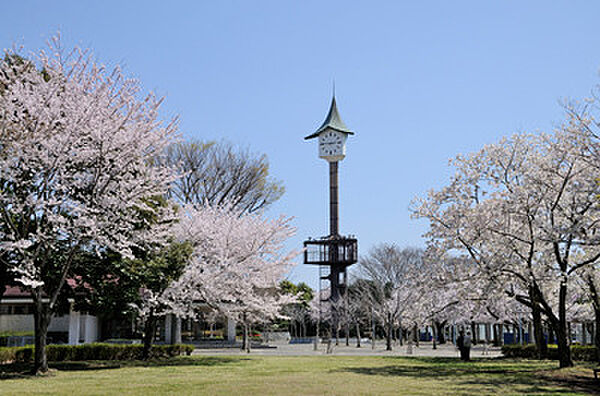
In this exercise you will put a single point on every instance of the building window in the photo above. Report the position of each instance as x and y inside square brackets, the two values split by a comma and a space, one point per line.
[16, 309]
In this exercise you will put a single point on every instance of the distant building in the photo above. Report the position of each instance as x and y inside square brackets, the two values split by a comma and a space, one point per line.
[75, 327]
[72, 327]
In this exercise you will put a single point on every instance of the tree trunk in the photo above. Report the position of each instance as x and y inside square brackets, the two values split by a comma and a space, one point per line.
[474, 332]
[562, 338]
[347, 333]
[316, 341]
[564, 352]
[357, 334]
[409, 341]
[388, 345]
[416, 335]
[149, 333]
[597, 332]
[303, 328]
[495, 335]
[439, 327]
[434, 335]
[596, 305]
[246, 338]
[538, 330]
[372, 330]
[41, 319]
[249, 343]
[176, 338]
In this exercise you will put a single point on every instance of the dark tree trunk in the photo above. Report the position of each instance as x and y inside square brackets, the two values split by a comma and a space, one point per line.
[357, 334]
[498, 334]
[434, 335]
[562, 338]
[347, 333]
[149, 333]
[475, 337]
[597, 333]
[41, 319]
[439, 327]
[388, 346]
[596, 305]
[564, 352]
[303, 328]
[538, 329]
[372, 329]
[245, 337]
[416, 335]
[250, 332]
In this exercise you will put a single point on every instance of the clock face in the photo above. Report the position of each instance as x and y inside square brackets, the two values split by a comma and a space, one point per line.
[331, 144]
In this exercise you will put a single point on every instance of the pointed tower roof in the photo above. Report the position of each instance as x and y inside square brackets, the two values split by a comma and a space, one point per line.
[332, 121]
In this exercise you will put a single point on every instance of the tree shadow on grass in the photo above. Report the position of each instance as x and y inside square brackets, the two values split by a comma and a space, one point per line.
[23, 370]
[486, 373]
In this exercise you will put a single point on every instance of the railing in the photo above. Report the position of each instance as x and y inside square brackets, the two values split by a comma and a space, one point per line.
[329, 251]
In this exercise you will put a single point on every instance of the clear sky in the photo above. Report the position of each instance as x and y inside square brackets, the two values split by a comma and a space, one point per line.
[418, 81]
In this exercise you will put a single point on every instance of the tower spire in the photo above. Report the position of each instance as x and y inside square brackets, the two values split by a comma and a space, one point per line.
[332, 121]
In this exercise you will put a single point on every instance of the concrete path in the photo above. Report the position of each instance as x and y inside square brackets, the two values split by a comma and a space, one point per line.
[425, 349]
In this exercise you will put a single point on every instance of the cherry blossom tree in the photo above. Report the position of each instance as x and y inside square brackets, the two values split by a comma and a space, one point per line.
[237, 264]
[522, 208]
[79, 147]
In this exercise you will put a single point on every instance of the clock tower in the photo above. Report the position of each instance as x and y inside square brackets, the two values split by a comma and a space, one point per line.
[332, 253]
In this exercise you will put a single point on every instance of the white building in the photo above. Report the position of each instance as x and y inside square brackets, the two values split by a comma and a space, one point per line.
[16, 315]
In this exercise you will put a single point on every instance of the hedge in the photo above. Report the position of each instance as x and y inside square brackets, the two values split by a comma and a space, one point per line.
[96, 351]
[587, 353]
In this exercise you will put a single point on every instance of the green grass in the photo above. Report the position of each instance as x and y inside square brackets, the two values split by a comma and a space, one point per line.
[303, 375]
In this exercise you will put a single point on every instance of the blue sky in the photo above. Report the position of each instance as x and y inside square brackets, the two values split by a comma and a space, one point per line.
[418, 81]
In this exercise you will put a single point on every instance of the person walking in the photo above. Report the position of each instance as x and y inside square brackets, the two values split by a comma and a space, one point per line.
[467, 347]
[460, 343]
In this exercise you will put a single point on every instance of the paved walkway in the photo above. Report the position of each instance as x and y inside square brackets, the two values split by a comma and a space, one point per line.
[425, 349]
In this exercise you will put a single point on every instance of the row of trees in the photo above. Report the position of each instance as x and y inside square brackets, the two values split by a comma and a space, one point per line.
[97, 192]
[523, 215]
[399, 292]
[512, 235]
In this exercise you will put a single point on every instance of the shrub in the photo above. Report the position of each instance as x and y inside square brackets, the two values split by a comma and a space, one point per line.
[529, 351]
[96, 351]
[23, 354]
[7, 354]
[588, 353]
[16, 333]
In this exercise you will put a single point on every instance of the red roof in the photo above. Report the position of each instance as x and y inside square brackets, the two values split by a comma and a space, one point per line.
[18, 292]
[15, 291]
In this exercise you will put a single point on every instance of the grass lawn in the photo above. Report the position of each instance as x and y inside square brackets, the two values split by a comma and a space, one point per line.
[303, 375]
